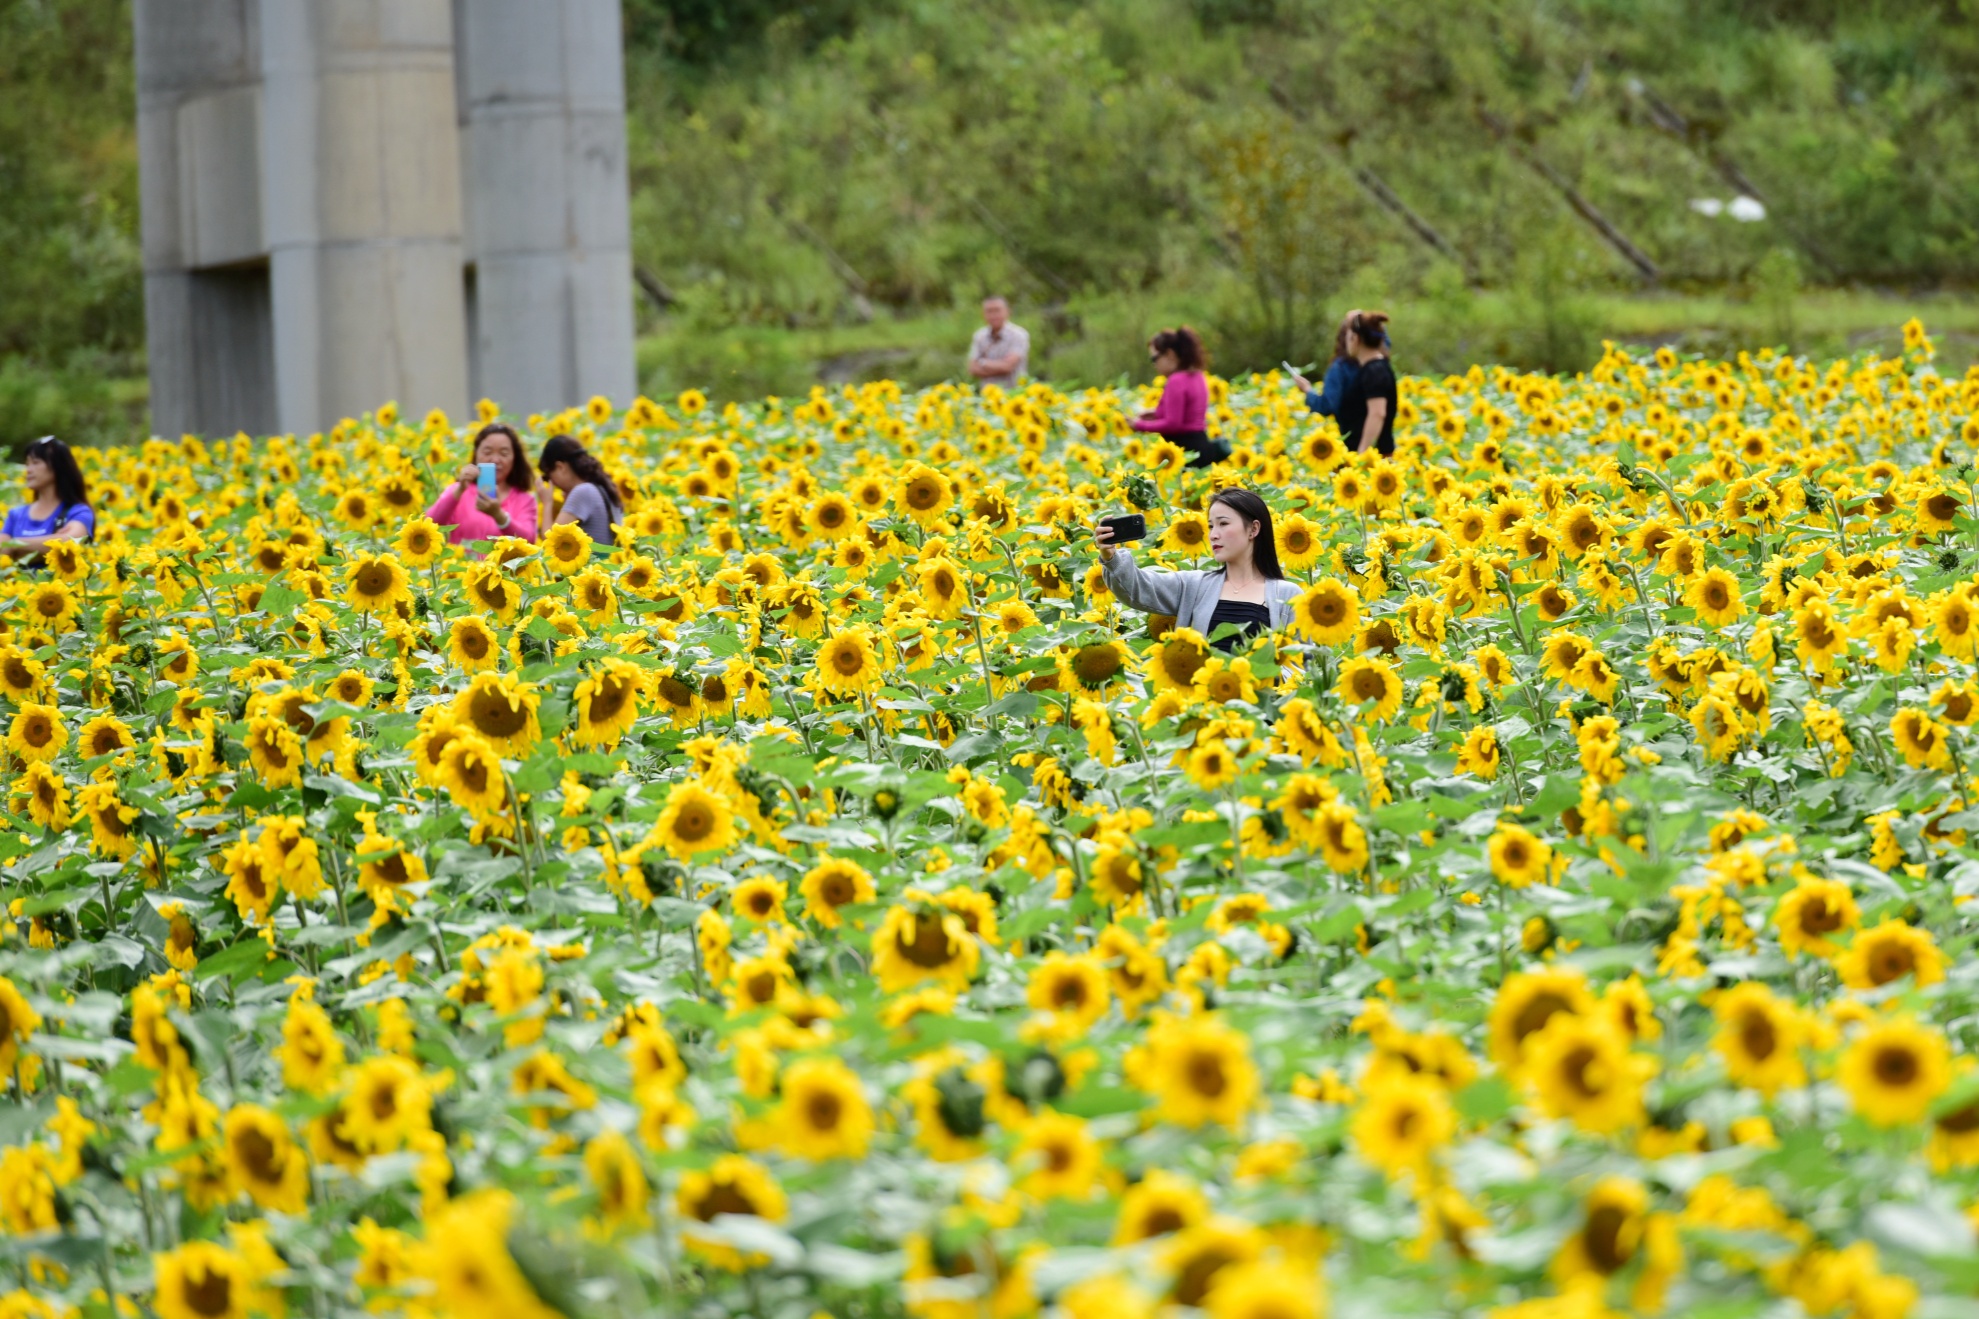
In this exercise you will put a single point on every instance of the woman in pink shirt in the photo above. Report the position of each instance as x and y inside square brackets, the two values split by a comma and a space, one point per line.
[1183, 414]
[472, 515]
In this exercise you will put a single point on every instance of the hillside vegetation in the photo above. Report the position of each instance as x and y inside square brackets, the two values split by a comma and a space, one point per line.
[814, 166]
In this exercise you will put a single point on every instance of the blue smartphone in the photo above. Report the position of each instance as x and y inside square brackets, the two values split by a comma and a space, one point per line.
[488, 479]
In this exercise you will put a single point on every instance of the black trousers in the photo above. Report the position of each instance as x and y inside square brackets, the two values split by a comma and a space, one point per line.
[1203, 449]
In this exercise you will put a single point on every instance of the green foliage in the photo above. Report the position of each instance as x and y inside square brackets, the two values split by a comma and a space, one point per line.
[71, 282]
[1063, 152]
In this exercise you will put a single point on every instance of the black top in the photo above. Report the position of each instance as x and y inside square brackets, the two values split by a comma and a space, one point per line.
[1253, 619]
[1376, 379]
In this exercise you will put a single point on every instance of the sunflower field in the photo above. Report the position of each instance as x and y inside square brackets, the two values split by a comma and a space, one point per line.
[832, 902]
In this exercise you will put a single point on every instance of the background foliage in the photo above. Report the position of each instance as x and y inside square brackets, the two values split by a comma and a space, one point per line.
[806, 166]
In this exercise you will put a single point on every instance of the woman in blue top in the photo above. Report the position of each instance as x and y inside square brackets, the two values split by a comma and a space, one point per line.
[1341, 374]
[60, 508]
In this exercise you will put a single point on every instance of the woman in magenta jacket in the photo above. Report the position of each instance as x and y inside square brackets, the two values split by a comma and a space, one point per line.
[471, 514]
[1183, 414]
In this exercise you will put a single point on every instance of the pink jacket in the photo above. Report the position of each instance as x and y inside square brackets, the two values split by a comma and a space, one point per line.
[455, 508]
[1184, 405]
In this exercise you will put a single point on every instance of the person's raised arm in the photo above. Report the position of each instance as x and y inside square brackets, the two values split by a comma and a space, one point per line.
[445, 509]
[1150, 590]
[1167, 414]
[1326, 399]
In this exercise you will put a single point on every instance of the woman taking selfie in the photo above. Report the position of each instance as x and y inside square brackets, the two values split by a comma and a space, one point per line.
[590, 496]
[1367, 409]
[1183, 413]
[59, 509]
[472, 510]
[1246, 589]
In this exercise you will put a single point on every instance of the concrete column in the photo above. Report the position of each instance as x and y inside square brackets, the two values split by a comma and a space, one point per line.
[547, 226]
[206, 291]
[361, 204]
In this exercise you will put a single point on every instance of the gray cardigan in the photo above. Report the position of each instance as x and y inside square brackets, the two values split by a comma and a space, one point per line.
[1190, 595]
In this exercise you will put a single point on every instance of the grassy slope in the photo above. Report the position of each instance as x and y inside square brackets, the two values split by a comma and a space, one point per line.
[749, 361]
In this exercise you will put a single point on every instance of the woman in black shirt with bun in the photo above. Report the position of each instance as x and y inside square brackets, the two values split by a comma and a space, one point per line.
[1367, 411]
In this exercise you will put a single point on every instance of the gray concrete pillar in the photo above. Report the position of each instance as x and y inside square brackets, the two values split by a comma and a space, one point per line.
[547, 226]
[206, 286]
[361, 199]
[306, 252]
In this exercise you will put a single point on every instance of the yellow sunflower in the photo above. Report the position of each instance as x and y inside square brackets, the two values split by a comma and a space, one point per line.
[1895, 1070]
[1327, 612]
[375, 583]
[848, 664]
[1372, 684]
[608, 703]
[502, 710]
[694, 821]
[566, 548]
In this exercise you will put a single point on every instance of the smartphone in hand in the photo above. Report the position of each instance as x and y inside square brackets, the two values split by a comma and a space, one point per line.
[488, 479]
[1126, 527]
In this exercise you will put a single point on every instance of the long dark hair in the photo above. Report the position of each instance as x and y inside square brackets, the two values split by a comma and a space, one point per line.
[564, 449]
[1249, 507]
[518, 470]
[70, 488]
[1185, 343]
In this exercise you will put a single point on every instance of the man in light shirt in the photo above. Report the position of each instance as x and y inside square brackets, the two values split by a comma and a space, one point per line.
[1000, 352]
